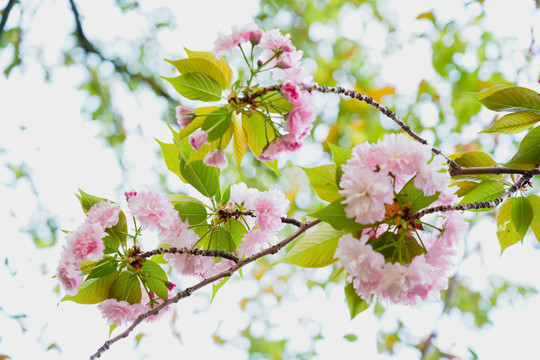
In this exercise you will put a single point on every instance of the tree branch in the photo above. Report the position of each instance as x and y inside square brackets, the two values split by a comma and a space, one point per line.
[175, 250]
[383, 109]
[188, 291]
[476, 205]
[120, 67]
[5, 15]
[495, 170]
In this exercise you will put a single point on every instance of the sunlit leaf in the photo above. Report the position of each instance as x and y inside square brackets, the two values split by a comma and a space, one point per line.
[203, 178]
[195, 212]
[126, 287]
[414, 198]
[485, 191]
[512, 98]
[474, 159]
[535, 223]
[323, 180]
[464, 187]
[220, 63]
[171, 155]
[259, 132]
[93, 291]
[334, 214]
[522, 215]
[315, 249]
[529, 149]
[240, 142]
[155, 278]
[340, 157]
[506, 231]
[356, 303]
[216, 123]
[514, 123]
[200, 65]
[196, 86]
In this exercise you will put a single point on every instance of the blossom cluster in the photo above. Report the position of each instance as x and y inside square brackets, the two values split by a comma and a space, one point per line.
[277, 54]
[376, 171]
[407, 284]
[268, 208]
[85, 244]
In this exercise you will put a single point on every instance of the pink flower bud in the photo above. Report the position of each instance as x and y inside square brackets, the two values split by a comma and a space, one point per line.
[216, 158]
[255, 36]
[198, 139]
[184, 116]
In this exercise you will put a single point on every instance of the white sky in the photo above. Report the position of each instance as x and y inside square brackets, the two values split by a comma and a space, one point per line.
[64, 153]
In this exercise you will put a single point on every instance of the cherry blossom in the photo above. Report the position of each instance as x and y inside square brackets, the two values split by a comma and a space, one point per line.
[152, 210]
[85, 243]
[104, 213]
[70, 276]
[216, 158]
[184, 116]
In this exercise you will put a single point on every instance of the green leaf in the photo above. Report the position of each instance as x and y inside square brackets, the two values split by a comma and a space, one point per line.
[218, 286]
[200, 65]
[217, 123]
[415, 198]
[102, 268]
[195, 212]
[529, 149]
[323, 180]
[155, 278]
[203, 178]
[512, 98]
[350, 337]
[127, 287]
[506, 231]
[93, 291]
[340, 157]
[240, 143]
[522, 215]
[388, 243]
[87, 200]
[535, 223]
[117, 234]
[171, 155]
[315, 249]
[334, 214]
[260, 132]
[356, 303]
[220, 63]
[237, 230]
[196, 86]
[218, 143]
[485, 191]
[514, 123]
[219, 239]
[464, 187]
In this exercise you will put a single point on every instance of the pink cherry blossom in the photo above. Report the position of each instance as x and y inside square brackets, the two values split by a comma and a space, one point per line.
[290, 91]
[216, 158]
[152, 210]
[272, 150]
[241, 195]
[69, 276]
[366, 193]
[300, 119]
[270, 207]
[253, 241]
[179, 235]
[225, 43]
[104, 213]
[85, 243]
[198, 139]
[184, 116]
[296, 75]
[430, 179]
[120, 312]
[274, 43]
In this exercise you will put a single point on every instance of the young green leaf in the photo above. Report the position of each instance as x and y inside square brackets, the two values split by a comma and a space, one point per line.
[218, 286]
[485, 191]
[514, 123]
[513, 98]
[240, 143]
[474, 159]
[220, 63]
[200, 65]
[260, 132]
[117, 234]
[237, 230]
[340, 157]
[202, 113]
[356, 303]
[334, 214]
[155, 278]
[506, 231]
[87, 200]
[171, 155]
[102, 268]
[535, 223]
[126, 287]
[93, 291]
[203, 178]
[464, 187]
[316, 249]
[323, 180]
[193, 211]
[522, 215]
[217, 123]
[196, 86]
[529, 149]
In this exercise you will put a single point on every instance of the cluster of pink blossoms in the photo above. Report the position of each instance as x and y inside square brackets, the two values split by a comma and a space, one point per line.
[268, 207]
[407, 284]
[278, 55]
[371, 178]
[375, 171]
[85, 243]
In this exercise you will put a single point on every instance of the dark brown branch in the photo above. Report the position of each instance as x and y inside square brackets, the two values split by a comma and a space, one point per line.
[175, 250]
[476, 205]
[120, 67]
[383, 109]
[495, 170]
[187, 292]
[5, 15]
[227, 214]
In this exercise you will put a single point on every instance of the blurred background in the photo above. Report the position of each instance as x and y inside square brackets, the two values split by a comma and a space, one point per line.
[82, 102]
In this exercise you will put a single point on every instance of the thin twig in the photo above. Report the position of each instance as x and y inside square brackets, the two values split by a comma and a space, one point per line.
[198, 252]
[476, 205]
[120, 67]
[187, 292]
[5, 15]
[383, 109]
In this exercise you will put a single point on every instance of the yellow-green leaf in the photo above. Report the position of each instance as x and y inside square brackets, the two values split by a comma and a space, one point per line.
[171, 155]
[535, 223]
[513, 98]
[522, 215]
[93, 291]
[464, 187]
[220, 63]
[506, 231]
[200, 65]
[205, 149]
[485, 191]
[259, 133]
[323, 181]
[201, 112]
[514, 123]
[196, 86]
[529, 149]
[240, 142]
